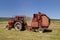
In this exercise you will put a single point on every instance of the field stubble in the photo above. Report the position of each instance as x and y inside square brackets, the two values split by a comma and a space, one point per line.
[29, 35]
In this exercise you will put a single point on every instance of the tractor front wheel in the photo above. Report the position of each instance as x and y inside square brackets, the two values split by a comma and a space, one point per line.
[8, 27]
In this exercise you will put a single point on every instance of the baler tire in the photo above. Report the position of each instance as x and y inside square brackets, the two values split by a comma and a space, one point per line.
[18, 26]
[40, 29]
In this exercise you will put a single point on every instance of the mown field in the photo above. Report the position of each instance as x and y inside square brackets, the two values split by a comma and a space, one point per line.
[29, 35]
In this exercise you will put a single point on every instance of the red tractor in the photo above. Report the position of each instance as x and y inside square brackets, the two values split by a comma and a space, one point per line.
[18, 23]
[40, 22]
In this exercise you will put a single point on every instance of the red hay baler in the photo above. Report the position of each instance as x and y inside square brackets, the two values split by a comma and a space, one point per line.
[40, 22]
[18, 22]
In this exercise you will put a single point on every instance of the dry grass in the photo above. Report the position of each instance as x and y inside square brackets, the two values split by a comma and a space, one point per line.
[29, 35]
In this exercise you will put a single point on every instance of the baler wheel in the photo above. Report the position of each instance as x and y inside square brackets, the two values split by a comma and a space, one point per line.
[41, 30]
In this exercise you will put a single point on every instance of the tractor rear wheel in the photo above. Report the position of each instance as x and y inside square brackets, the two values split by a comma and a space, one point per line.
[18, 26]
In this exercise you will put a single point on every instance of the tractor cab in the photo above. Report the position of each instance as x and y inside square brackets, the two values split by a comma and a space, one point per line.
[19, 18]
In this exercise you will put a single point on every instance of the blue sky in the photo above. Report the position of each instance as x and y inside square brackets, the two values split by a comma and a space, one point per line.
[9, 8]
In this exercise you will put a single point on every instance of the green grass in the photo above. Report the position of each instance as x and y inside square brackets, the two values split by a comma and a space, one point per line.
[29, 35]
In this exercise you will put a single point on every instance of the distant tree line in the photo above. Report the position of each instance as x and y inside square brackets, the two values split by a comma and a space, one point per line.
[55, 19]
[27, 18]
[4, 19]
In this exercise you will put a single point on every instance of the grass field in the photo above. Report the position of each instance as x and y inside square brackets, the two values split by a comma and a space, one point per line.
[29, 35]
